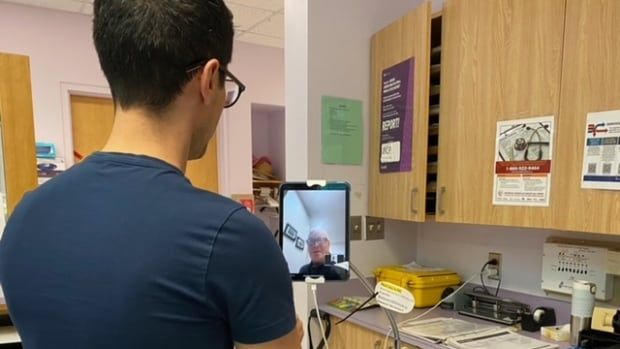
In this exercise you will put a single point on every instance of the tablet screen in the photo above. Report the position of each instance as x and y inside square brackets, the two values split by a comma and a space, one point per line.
[314, 230]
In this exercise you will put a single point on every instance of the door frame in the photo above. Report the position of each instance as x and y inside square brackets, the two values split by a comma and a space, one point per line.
[68, 89]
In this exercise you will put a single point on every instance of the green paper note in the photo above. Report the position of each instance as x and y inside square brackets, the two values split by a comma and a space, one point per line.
[342, 136]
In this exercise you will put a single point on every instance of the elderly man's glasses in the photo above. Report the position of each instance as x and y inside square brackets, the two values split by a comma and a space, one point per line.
[233, 86]
[317, 241]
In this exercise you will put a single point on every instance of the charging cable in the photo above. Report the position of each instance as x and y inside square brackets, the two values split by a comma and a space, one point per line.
[313, 282]
[484, 289]
[409, 321]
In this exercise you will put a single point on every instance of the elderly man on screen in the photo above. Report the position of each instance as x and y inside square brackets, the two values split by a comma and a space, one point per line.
[320, 262]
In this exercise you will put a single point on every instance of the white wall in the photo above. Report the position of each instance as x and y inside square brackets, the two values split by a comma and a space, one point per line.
[464, 248]
[61, 51]
[339, 65]
[327, 52]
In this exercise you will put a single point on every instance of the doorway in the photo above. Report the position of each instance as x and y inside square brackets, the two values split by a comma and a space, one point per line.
[92, 119]
[268, 155]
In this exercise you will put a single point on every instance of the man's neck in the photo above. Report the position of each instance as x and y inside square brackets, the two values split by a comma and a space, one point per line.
[136, 132]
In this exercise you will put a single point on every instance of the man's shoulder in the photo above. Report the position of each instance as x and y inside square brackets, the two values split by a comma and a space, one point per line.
[200, 205]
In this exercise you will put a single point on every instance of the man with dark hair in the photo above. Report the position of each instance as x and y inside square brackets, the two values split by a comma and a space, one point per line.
[121, 251]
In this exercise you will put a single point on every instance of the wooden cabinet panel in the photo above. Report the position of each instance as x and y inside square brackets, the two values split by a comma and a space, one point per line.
[18, 144]
[350, 336]
[401, 195]
[501, 60]
[590, 83]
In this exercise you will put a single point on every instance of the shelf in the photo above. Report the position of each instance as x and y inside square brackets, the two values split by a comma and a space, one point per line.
[436, 51]
[433, 150]
[435, 69]
[433, 130]
[431, 187]
[431, 168]
[266, 183]
[433, 110]
[434, 91]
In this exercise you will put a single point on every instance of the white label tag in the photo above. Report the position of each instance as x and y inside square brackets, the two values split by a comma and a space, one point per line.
[390, 152]
[394, 297]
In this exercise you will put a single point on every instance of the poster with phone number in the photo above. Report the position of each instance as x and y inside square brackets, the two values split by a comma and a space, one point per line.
[523, 155]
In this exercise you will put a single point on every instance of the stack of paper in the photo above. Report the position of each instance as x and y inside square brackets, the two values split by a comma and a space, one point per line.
[468, 335]
[497, 339]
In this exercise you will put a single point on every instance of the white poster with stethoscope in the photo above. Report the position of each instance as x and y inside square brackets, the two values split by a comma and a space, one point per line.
[523, 152]
[601, 159]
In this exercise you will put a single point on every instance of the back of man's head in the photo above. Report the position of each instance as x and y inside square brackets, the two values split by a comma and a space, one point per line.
[145, 46]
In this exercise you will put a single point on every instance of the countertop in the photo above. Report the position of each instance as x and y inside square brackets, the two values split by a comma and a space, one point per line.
[375, 320]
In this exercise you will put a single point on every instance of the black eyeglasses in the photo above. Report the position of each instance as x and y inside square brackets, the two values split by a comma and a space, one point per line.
[233, 86]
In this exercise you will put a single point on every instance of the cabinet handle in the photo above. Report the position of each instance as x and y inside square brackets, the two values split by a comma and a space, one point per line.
[414, 196]
[442, 192]
[377, 344]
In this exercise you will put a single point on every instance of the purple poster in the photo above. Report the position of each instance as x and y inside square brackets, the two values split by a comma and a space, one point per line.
[397, 117]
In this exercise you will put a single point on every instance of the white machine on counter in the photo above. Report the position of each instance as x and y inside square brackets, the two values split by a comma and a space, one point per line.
[566, 262]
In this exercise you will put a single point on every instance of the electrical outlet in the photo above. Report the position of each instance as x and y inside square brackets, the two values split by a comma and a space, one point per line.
[374, 228]
[355, 228]
[495, 271]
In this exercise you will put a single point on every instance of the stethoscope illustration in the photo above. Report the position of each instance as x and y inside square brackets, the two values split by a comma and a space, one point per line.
[521, 144]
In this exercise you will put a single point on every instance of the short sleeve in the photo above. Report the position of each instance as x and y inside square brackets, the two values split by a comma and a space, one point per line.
[248, 280]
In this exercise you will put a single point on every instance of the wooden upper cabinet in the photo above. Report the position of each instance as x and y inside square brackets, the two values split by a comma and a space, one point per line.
[590, 83]
[501, 60]
[16, 116]
[401, 195]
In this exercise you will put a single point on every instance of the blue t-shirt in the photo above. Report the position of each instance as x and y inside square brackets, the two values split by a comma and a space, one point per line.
[121, 251]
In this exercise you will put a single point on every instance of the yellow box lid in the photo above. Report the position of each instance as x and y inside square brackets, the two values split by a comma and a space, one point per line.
[417, 277]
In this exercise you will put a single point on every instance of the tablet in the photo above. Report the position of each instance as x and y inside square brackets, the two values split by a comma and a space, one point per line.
[314, 229]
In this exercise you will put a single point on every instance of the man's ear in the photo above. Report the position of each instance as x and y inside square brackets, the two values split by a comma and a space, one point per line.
[209, 80]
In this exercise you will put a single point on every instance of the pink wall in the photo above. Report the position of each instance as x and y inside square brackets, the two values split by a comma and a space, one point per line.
[261, 69]
[276, 143]
[260, 134]
[60, 48]
[268, 135]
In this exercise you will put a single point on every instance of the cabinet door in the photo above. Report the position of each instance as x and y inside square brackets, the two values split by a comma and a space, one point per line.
[501, 60]
[590, 83]
[17, 127]
[401, 195]
[349, 336]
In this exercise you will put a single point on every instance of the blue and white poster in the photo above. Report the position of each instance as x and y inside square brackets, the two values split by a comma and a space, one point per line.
[601, 158]
[397, 117]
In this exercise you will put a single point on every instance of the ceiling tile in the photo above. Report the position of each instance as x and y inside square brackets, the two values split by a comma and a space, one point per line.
[271, 5]
[273, 26]
[263, 40]
[247, 17]
[258, 15]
